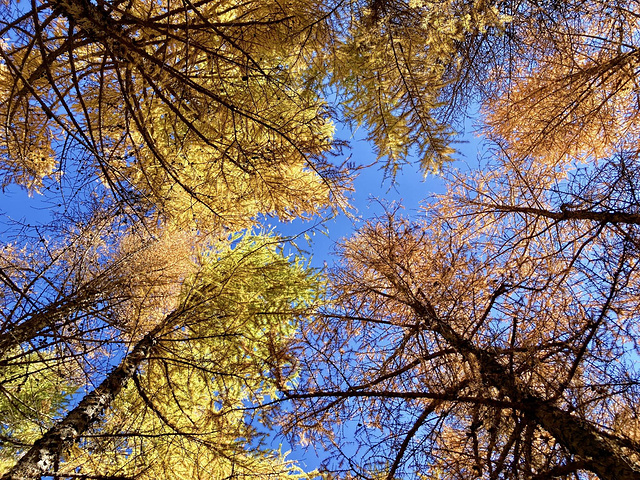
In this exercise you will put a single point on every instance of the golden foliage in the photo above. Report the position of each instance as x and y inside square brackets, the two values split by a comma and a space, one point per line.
[225, 352]
[201, 113]
[572, 92]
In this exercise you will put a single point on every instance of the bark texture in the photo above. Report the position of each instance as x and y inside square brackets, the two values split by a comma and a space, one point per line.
[41, 458]
[603, 456]
[50, 317]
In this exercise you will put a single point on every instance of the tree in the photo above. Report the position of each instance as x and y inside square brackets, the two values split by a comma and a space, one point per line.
[33, 393]
[196, 112]
[198, 118]
[493, 337]
[171, 104]
[195, 373]
[395, 66]
[195, 119]
[75, 291]
[567, 85]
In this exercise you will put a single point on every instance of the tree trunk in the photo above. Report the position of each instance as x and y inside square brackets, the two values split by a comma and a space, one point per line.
[604, 457]
[45, 452]
[49, 317]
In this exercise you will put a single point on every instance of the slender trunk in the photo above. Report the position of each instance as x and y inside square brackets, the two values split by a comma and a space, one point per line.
[50, 316]
[604, 457]
[45, 452]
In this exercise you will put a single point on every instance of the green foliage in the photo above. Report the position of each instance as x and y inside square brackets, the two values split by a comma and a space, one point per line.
[32, 396]
[190, 410]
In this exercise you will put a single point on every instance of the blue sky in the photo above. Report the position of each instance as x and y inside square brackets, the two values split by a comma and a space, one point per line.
[371, 191]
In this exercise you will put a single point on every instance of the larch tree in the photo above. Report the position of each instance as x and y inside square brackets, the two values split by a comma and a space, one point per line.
[201, 112]
[567, 83]
[156, 129]
[179, 403]
[197, 113]
[477, 341]
[494, 337]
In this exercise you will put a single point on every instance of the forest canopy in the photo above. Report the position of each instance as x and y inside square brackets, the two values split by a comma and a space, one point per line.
[154, 326]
